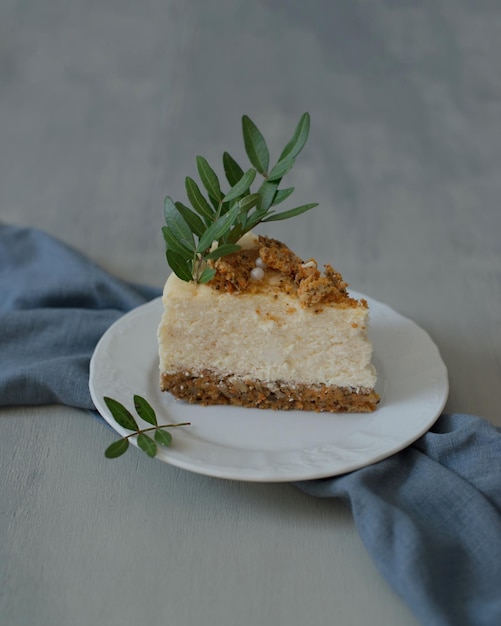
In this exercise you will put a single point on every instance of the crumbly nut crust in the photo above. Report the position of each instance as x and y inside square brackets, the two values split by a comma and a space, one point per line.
[208, 388]
[285, 272]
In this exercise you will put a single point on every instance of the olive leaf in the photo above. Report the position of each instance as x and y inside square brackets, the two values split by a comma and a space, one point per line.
[267, 192]
[116, 449]
[255, 145]
[217, 229]
[191, 218]
[275, 217]
[197, 199]
[121, 414]
[281, 195]
[209, 179]
[207, 274]
[145, 410]
[281, 169]
[296, 144]
[222, 250]
[232, 169]
[255, 218]
[248, 202]
[181, 266]
[146, 443]
[177, 224]
[171, 243]
[163, 437]
[240, 187]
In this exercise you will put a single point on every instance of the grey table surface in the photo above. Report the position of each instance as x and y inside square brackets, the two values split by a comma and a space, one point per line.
[103, 108]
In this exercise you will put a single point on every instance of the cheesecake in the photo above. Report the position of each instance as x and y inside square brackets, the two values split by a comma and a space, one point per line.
[268, 331]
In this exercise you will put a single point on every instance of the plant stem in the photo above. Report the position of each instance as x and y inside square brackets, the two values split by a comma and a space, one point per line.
[146, 430]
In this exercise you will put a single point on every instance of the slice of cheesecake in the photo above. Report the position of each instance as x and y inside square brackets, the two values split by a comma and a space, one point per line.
[268, 331]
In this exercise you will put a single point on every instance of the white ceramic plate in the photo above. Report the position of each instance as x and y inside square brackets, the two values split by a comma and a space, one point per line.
[276, 446]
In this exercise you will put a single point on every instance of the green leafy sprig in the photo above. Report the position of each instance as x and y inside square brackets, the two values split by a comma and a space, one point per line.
[125, 418]
[217, 219]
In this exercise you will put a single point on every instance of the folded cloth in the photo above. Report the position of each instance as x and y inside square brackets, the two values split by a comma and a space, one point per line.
[430, 515]
[54, 306]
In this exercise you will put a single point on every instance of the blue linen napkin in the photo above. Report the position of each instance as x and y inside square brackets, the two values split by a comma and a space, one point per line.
[54, 306]
[430, 516]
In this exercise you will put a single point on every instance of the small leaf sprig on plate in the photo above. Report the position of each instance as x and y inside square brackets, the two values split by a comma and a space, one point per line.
[125, 419]
[212, 227]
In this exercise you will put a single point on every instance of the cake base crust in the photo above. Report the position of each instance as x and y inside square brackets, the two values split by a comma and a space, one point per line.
[208, 388]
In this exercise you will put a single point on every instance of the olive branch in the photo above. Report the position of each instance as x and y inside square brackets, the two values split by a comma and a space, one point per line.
[124, 418]
[212, 227]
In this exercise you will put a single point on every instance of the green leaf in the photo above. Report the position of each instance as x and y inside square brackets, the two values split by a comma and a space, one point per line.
[206, 275]
[234, 235]
[198, 201]
[163, 438]
[222, 250]
[232, 169]
[267, 191]
[296, 144]
[173, 244]
[248, 202]
[225, 207]
[241, 186]
[281, 195]
[177, 225]
[281, 169]
[121, 414]
[255, 219]
[217, 229]
[255, 145]
[291, 213]
[145, 410]
[116, 449]
[179, 265]
[146, 443]
[209, 179]
[194, 222]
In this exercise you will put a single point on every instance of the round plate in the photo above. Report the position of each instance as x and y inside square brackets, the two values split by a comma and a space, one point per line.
[277, 446]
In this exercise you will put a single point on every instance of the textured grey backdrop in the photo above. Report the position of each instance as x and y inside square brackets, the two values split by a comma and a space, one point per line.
[103, 107]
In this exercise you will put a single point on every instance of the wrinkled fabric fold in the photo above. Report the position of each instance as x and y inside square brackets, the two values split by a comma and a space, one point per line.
[430, 515]
[55, 305]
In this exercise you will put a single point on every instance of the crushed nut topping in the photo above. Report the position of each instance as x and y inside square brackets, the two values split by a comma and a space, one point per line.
[285, 272]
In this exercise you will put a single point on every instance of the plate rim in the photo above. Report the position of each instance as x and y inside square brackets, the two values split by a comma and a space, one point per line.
[255, 474]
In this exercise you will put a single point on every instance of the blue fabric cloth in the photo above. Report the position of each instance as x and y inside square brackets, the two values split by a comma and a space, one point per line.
[430, 515]
[54, 306]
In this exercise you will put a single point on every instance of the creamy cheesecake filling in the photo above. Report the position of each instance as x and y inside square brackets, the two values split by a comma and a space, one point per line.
[263, 338]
